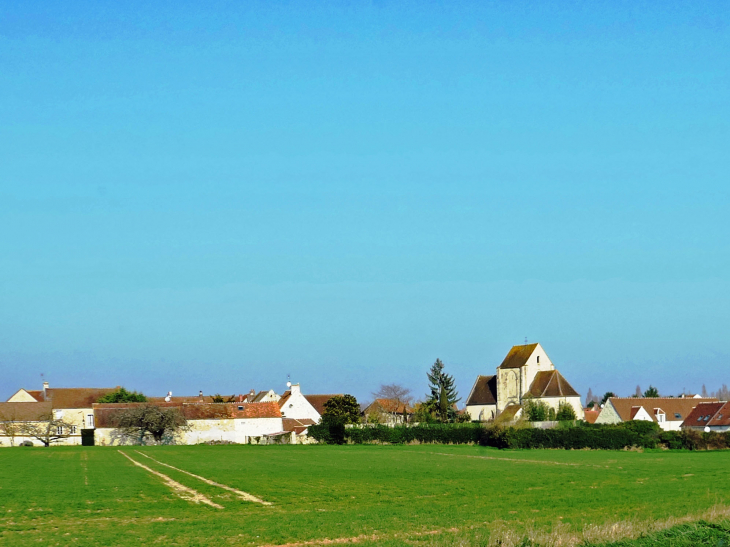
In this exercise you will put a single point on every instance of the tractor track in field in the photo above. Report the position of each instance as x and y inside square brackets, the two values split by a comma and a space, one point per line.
[518, 460]
[240, 493]
[181, 490]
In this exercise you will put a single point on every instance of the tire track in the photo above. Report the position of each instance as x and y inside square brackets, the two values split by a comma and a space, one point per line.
[181, 490]
[240, 493]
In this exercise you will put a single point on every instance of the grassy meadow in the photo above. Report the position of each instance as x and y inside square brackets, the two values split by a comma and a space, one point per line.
[380, 495]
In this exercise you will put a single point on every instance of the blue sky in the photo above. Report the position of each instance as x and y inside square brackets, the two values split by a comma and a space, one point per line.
[213, 197]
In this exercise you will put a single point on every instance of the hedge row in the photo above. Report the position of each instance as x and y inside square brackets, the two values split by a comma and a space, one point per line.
[606, 437]
[427, 433]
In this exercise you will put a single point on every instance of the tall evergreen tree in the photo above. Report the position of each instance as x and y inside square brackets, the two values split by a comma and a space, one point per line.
[443, 393]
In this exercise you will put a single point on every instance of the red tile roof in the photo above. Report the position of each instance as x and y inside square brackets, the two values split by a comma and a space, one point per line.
[591, 415]
[298, 426]
[284, 398]
[704, 414]
[722, 417]
[182, 399]
[388, 405]
[24, 412]
[676, 409]
[76, 397]
[318, 401]
[106, 414]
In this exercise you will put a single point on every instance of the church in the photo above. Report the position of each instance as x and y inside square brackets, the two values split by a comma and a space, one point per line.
[527, 371]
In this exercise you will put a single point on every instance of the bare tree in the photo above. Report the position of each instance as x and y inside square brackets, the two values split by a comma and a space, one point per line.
[723, 393]
[395, 392]
[137, 422]
[9, 426]
[47, 428]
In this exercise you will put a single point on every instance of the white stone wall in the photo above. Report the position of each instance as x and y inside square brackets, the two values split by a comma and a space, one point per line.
[608, 415]
[256, 427]
[481, 413]
[201, 431]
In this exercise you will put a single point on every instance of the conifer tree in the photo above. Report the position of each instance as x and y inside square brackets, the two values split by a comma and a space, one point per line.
[443, 393]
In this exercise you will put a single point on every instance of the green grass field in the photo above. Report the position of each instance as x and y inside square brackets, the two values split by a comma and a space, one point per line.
[385, 495]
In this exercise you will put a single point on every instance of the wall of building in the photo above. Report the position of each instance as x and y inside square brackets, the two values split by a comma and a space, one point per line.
[608, 415]
[298, 407]
[481, 413]
[256, 427]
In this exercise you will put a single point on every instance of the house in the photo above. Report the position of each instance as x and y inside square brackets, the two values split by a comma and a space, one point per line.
[206, 422]
[709, 417]
[72, 405]
[526, 371]
[481, 404]
[293, 404]
[668, 412]
[389, 411]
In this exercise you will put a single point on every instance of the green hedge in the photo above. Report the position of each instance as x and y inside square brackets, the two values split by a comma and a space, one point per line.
[607, 437]
[638, 434]
[426, 433]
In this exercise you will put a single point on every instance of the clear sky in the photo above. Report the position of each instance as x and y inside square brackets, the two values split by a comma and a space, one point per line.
[213, 195]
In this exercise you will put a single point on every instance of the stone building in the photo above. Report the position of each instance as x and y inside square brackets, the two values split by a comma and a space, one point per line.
[526, 371]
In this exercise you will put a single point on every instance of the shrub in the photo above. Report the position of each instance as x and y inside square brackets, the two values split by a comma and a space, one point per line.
[565, 413]
[121, 395]
[537, 411]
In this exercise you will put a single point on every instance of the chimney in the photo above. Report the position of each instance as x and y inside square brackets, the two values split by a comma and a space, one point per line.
[295, 389]
[240, 398]
[45, 388]
[200, 396]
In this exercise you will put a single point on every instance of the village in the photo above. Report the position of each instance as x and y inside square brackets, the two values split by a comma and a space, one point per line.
[525, 380]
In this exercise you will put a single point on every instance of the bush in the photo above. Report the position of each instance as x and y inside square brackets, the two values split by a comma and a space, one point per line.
[565, 413]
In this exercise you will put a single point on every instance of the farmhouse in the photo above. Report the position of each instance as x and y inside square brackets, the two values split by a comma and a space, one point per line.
[668, 412]
[526, 371]
[71, 405]
[206, 422]
[293, 404]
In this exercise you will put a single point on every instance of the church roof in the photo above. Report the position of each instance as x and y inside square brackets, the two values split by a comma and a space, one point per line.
[550, 383]
[484, 391]
[518, 356]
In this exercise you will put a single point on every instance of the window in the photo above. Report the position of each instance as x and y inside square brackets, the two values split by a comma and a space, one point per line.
[89, 420]
[59, 430]
[660, 417]
[240, 408]
[538, 359]
[677, 415]
[707, 418]
[73, 430]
